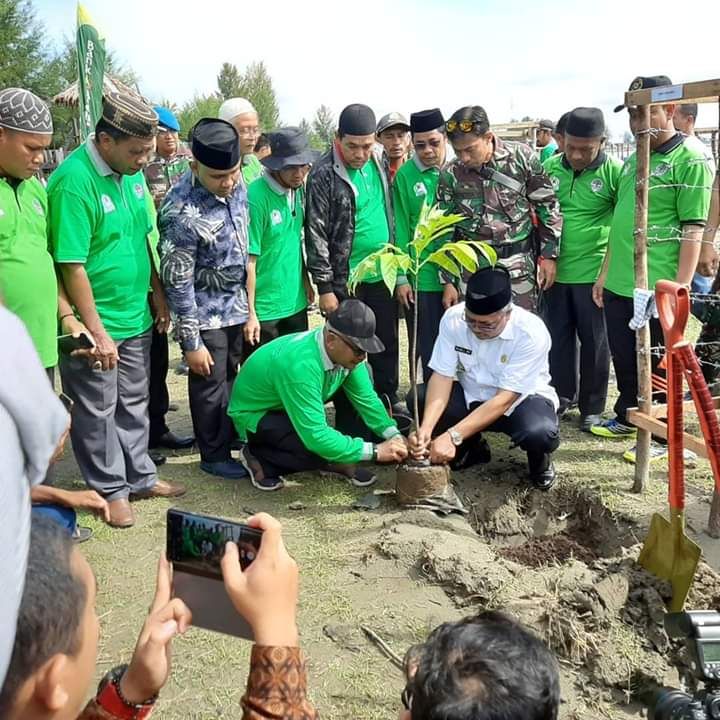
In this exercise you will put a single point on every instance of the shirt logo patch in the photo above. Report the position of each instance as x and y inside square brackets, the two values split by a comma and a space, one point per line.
[661, 169]
[37, 205]
[503, 358]
[139, 191]
[420, 189]
[276, 217]
[555, 182]
[107, 203]
[463, 350]
[597, 185]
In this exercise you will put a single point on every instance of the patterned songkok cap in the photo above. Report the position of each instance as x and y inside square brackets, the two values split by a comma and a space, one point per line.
[22, 110]
[129, 114]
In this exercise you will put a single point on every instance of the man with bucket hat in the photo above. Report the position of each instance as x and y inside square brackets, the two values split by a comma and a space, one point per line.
[279, 289]
[278, 402]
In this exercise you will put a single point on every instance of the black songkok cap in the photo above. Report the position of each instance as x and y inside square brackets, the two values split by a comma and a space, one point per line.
[562, 123]
[357, 120]
[488, 290]
[215, 143]
[427, 120]
[129, 114]
[585, 122]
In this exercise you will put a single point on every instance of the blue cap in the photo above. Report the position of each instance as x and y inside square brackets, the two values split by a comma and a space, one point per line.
[166, 119]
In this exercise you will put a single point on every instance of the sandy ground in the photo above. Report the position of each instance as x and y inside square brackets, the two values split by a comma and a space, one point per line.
[562, 562]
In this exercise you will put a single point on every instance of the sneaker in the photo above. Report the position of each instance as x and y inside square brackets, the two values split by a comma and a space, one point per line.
[230, 469]
[588, 421]
[359, 477]
[660, 452]
[613, 429]
[257, 476]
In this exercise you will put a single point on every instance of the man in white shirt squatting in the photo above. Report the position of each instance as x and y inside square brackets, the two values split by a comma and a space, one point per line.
[490, 372]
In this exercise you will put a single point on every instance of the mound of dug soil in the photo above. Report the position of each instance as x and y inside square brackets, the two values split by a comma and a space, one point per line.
[567, 569]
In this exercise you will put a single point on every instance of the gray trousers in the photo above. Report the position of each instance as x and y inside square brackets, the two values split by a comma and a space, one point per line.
[110, 423]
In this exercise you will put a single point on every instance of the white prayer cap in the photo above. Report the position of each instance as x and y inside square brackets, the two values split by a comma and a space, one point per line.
[233, 107]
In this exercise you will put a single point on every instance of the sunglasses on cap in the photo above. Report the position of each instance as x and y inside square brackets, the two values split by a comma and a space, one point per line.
[464, 126]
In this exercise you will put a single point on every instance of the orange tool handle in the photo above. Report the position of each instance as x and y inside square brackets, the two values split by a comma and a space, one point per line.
[676, 466]
[673, 304]
[705, 408]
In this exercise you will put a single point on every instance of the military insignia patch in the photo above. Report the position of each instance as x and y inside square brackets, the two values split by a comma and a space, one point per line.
[596, 185]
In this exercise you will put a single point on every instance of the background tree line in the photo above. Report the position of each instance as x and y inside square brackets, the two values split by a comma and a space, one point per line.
[27, 60]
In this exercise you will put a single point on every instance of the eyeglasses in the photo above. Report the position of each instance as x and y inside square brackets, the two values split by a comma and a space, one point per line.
[464, 126]
[356, 351]
[421, 144]
[478, 325]
[249, 132]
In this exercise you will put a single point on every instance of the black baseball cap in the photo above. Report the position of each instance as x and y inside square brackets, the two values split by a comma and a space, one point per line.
[644, 83]
[355, 321]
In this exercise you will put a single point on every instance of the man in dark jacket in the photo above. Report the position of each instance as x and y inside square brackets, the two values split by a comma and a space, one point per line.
[348, 217]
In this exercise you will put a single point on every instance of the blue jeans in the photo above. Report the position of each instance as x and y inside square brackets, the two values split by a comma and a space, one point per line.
[64, 516]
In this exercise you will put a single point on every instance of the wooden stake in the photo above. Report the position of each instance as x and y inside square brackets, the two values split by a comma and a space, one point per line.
[642, 447]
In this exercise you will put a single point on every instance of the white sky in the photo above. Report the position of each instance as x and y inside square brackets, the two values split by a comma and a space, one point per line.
[515, 57]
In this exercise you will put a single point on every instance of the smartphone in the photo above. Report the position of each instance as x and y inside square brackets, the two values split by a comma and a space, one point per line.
[195, 546]
[68, 343]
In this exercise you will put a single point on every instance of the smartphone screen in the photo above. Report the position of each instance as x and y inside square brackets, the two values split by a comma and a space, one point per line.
[196, 543]
[67, 402]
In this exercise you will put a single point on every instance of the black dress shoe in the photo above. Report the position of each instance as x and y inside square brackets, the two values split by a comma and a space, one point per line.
[543, 479]
[171, 441]
[157, 457]
[472, 452]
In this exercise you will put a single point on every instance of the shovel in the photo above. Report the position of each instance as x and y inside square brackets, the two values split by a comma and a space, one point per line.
[668, 553]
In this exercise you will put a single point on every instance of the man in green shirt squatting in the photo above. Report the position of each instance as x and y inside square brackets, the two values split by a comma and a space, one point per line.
[678, 203]
[278, 286]
[585, 181]
[278, 402]
[242, 114]
[415, 185]
[99, 225]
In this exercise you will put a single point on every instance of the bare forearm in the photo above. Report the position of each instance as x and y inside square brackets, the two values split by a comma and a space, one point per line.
[689, 253]
[44, 494]
[250, 282]
[155, 282]
[436, 400]
[80, 294]
[486, 414]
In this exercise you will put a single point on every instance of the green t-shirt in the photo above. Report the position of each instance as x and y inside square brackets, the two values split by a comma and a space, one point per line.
[678, 194]
[548, 151]
[371, 223]
[28, 286]
[586, 201]
[414, 186]
[101, 220]
[295, 374]
[252, 168]
[276, 222]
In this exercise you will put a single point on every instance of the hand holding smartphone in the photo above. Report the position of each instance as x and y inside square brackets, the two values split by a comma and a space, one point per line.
[195, 547]
[69, 343]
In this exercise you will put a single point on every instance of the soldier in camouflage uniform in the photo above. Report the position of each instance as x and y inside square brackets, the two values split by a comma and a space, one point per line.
[169, 163]
[508, 201]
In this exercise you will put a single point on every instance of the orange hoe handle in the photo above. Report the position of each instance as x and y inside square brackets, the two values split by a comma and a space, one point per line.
[673, 303]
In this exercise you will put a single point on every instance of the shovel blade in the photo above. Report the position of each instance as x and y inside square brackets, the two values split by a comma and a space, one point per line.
[669, 554]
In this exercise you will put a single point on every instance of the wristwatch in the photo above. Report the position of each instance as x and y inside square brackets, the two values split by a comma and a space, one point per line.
[456, 437]
[110, 698]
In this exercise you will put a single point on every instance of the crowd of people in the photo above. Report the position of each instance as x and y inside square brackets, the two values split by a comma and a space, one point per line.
[226, 242]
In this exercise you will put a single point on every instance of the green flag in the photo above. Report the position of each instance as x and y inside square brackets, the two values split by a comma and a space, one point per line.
[91, 70]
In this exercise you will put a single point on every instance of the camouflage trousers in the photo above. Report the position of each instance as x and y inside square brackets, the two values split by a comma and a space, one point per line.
[709, 355]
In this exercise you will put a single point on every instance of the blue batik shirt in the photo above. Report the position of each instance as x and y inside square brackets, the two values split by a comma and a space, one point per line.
[203, 258]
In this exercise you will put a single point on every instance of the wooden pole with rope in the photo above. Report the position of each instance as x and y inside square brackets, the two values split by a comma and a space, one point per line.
[642, 336]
